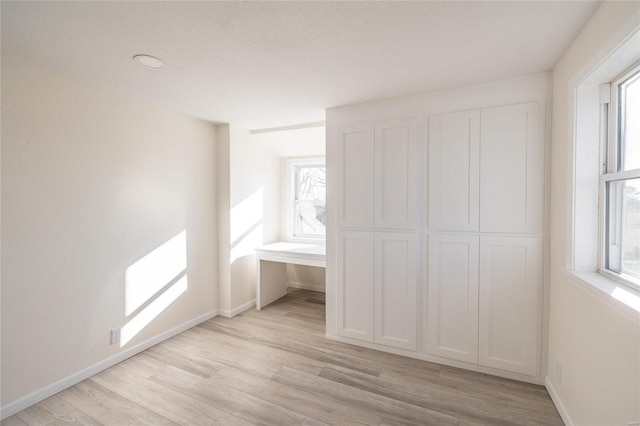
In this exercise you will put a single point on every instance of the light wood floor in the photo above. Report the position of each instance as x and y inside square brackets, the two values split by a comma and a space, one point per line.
[275, 367]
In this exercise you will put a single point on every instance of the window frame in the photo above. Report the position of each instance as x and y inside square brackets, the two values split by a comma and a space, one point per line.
[610, 165]
[291, 200]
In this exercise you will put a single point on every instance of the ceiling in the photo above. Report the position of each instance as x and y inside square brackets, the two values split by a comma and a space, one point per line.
[269, 64]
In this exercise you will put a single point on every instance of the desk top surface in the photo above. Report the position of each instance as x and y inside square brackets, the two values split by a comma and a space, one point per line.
[294, 249]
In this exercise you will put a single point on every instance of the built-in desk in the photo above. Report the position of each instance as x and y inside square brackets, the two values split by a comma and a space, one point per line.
[272, 262]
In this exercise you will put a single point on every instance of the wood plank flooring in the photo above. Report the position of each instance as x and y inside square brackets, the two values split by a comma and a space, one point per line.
[274, 367]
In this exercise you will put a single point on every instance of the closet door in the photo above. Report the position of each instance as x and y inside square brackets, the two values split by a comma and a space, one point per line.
[355, 284]
[355, 185]
[454, 171]
[510, 300]
[452, 313]
[396, 159]
[395, 289]
[512, 169]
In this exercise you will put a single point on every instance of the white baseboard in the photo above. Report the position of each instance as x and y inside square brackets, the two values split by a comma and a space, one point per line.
[41, 394]
[305, 286]
[240, 309]
[564, 414]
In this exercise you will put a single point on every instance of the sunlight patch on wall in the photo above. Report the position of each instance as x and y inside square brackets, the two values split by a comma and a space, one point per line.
[152, 310]
[246, 226]
[153, 283]
[150, 274]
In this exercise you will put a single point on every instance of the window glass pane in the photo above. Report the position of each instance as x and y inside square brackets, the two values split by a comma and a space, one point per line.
[623, 228]
[311, 183]
[630, 123]
[311, 219]
[310, 203]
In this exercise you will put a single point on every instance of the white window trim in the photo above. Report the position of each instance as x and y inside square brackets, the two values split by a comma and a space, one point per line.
[289, 196]
[609, 145]
[583, 237]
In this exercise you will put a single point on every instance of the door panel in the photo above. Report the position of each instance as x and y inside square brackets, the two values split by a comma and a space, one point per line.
[355, 190]
[395, 290]
[453, 296]
[396, 161]
[454, 167]
[510, 283]
[512, 169]
[355, 285]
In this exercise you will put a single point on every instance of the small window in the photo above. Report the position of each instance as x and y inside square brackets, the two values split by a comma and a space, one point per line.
[620, 183]
[309, 199]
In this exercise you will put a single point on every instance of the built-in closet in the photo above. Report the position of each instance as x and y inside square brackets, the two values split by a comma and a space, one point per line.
[436, 243]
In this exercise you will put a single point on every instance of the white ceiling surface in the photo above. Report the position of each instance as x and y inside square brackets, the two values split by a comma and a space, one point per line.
[269, 64]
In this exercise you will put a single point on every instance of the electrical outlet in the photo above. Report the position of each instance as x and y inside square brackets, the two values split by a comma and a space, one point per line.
[115, 336]
[559, 372]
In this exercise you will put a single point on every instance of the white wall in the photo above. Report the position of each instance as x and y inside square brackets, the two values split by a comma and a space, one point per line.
[596, 345]
[223, 188]
[254, 213]
[307, 277]
[92, 182]
[295, 142]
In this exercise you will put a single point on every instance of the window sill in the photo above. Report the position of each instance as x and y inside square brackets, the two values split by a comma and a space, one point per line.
[617, 295]
[318, 241]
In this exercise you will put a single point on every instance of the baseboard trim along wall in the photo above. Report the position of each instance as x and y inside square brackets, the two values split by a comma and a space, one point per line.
[230, 313]
[44, 393]
[564, 414]
[305, 286]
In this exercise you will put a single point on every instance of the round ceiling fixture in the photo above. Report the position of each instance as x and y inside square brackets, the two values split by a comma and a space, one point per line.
[149, 61]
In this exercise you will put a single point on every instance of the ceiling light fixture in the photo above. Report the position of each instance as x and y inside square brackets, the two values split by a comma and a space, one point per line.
[149, 61]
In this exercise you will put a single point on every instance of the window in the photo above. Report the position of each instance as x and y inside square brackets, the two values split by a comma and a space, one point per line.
[308, 207]
[620, 182]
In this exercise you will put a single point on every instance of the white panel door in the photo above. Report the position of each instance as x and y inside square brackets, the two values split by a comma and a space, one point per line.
[395, 289]
[453, 296]
[454, 171]
[510, 295]
[355, 284]
[511, 169]
[396, 157]
[355, 189]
